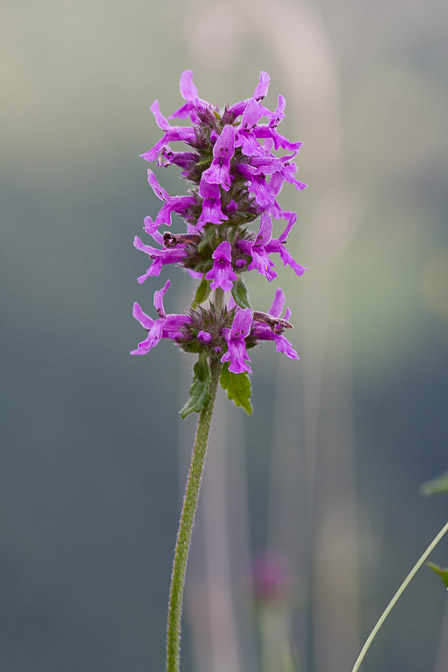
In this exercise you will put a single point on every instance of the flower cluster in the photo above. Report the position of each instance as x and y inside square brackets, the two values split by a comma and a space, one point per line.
[236, 164]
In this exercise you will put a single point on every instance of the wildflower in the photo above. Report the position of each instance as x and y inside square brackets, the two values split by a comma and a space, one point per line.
[236, 353]
[166, 326]
[211, 205]
[236, 163]
[270, 326]
[222, 274]
[178, 204]
[189, 93]
[159, 257]
[223, 151]
[235, 173]
[256, 249]
[277, 245]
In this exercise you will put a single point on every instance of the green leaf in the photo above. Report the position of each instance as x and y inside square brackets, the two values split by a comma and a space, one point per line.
[441, 571]
[207, 237]
[199, 396]
[237, 386]
[438, 486]
[240, 295]
[202, 293]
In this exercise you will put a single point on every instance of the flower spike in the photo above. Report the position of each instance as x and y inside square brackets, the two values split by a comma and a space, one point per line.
[235, 173]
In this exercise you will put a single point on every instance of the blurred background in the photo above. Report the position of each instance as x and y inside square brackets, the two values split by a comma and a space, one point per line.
[325, 475]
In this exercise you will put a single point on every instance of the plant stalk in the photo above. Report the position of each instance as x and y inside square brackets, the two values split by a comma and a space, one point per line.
[397, 596]
[186, 523]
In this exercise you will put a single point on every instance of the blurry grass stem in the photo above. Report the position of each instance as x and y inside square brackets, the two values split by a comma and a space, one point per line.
[397, 596]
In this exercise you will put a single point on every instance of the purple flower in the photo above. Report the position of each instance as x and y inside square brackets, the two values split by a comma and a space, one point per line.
[185, 160]
[270, 326]
[285, 172]
[256, 249]
[267, 131]
[172, 134]
[260, 92]
[178, 204]
[279, 114]
[211, 205]
[160, 258]
[189, 93]
[262, 88]
[280, 169]
[245, 137]
[166, 326]
[277, 245]
[223, 151]
[204, 337]
[229, 151]
[236, 347]
[222, 272]
[257, 185]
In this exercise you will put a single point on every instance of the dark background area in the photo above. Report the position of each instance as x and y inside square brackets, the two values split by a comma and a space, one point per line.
[329, 466]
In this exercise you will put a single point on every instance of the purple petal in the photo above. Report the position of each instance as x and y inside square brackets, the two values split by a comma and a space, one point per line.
[277, 305]
[144, 248]
[222, 274]
[241, 324]
[259, 93]
[189, 93]
[236, 353]
[218, 174]
[251, 115]
[161, 121]
[263, 131]
[224, 146]
[292, 220]
[187, 87]
[152, 271]
[144, 319]
[204, 337]
[264, 235]
[261, 263]
[152, 228]
[152, 339]
[158, 299]
[289, 261]
[262, 191]
[152, 154]
[283, 345]
[223, 151]
[211, 205]
[262, 86]
[157, 189]
[175, 134]
[223, 251]
[173, 325]
[278, 115]
[238, 357]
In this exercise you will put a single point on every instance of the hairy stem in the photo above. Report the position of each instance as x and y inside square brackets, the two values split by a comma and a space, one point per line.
[397, 596]
[186, 524]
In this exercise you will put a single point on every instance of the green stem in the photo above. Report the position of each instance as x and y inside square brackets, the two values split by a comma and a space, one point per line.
[186, 524]
[397, 596]
[219, 299]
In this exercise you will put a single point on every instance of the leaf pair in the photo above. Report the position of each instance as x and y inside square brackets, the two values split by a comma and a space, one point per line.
[239, 293]
[237, 386]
